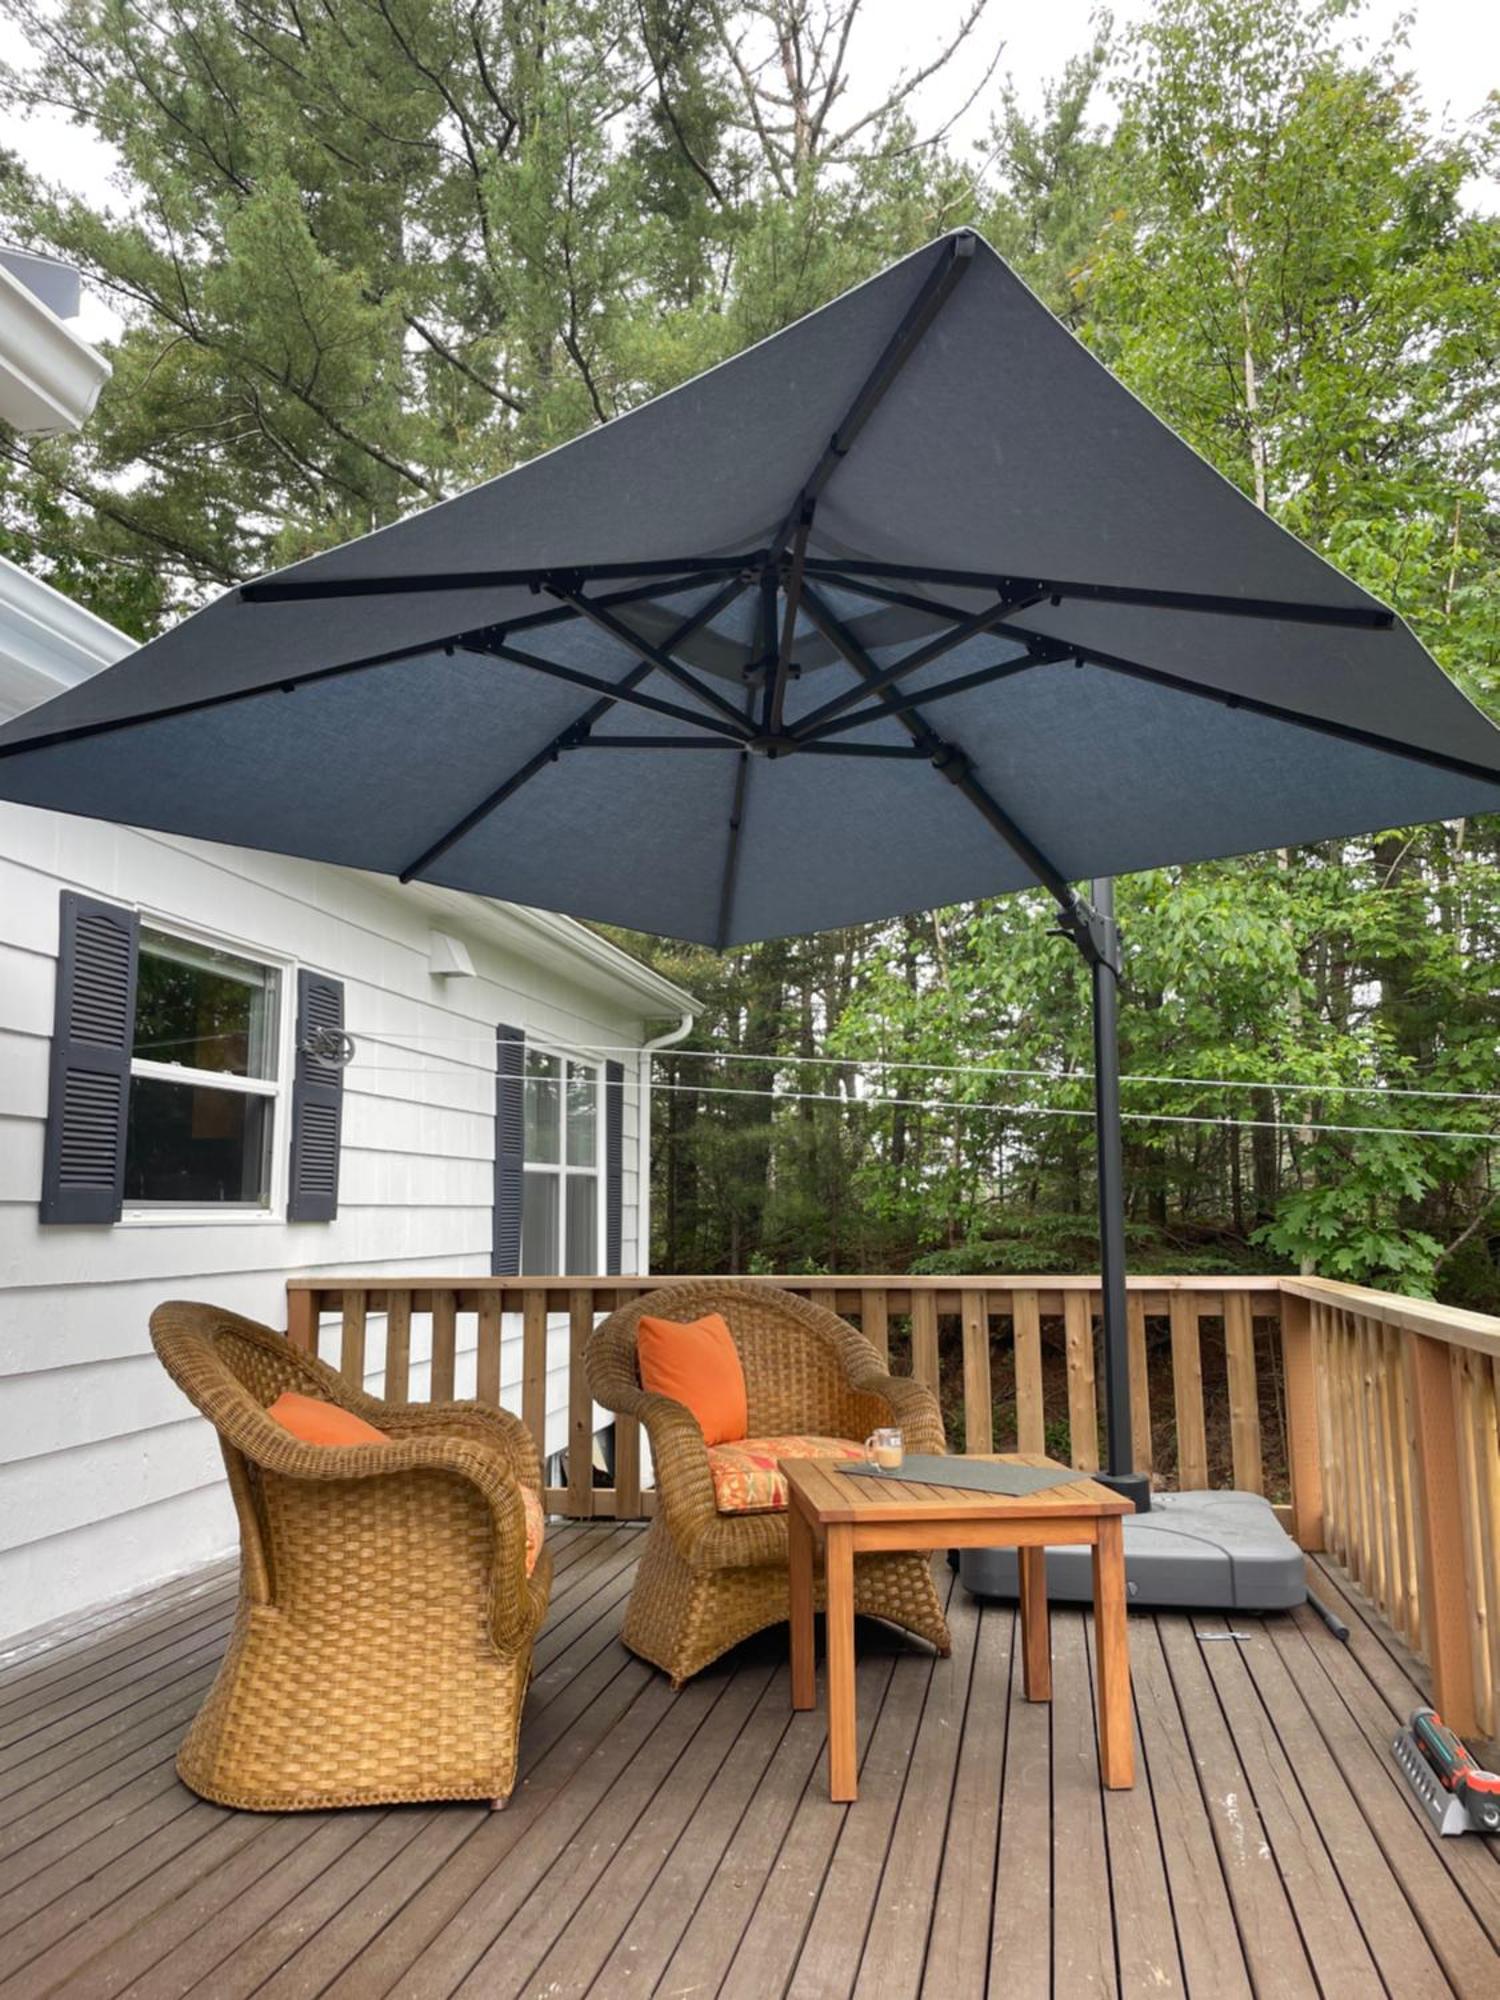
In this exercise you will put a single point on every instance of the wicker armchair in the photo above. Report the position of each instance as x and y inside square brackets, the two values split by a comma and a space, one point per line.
[382, 1645]
[708, 1580]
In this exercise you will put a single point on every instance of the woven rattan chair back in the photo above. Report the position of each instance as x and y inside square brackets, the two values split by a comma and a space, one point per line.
[798, 1358]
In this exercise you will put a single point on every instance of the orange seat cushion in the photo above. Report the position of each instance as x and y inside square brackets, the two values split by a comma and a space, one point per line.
[536, 1526]
[316, 1422]
[747, 1479]
[697, 1364]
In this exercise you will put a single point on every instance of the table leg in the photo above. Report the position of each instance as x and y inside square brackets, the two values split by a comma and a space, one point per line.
[838, 1569]
[1036, 1625]
[800, 1592]
[1116, 1741]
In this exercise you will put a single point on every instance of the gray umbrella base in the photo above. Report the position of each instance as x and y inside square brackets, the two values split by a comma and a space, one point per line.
[1193, 1551]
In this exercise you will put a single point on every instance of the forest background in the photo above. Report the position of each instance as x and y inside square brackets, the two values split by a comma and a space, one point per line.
[363, 253]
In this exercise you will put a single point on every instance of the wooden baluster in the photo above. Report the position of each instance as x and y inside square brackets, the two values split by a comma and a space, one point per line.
[1440, 1534]
[1354, 1451]
[580, 1408]
[1325, 1386]
[444, 1346]
[1487, 1448]
[1244, 1393]
[627, 1469]
[1187, 1393]
[1349, 1445]
[1386, 1454]
[1301, 1376]
[924, 1338]
[1031, 1419]
[1083, 1410]
[1404, 1448]
[352, 1338]
[1142, 1450]
[1369, 1431]
[1358, 1450]
[979, 1402]
[302, 1319]
[1475, 1502]
[487, 1361]
[534, 1369]
[397, 1346]
[874, 1322]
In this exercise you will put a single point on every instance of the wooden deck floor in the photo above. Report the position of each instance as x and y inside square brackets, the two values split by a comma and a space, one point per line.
[684, 1845]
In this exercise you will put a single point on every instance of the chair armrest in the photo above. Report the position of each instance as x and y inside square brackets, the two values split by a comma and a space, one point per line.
[684, 1483]
[914, 1410]
[493, 1427]
[481, 1460]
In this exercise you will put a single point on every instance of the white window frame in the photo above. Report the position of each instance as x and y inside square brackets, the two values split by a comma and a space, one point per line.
[238, 1215]
[560, 1168]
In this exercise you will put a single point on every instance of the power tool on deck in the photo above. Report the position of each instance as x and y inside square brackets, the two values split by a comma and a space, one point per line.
[1456, 1794]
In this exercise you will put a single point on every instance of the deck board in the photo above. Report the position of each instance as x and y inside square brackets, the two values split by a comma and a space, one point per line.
[676, 1845]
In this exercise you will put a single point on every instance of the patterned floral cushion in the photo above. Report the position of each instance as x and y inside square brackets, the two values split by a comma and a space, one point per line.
[536, 1526]
[746, 1479]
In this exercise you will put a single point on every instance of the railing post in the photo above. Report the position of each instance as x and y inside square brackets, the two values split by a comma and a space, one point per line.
[1440, 1534]
[1303, 1459]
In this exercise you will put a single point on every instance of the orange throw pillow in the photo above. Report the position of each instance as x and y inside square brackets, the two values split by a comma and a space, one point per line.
[697, 1364]
[316, 1422]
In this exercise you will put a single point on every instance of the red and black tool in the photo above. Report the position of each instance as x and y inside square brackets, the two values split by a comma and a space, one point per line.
[1458, 1795]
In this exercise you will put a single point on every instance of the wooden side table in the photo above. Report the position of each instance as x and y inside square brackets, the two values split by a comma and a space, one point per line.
[852, 1516]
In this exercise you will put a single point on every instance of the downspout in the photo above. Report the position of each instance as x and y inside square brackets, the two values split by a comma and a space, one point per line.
[643, 1139]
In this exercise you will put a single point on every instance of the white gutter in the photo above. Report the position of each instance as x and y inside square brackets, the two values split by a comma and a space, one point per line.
[49, 378]
[643, 1139]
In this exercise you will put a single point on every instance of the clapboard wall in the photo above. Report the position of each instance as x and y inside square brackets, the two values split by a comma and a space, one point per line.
[107, 1479]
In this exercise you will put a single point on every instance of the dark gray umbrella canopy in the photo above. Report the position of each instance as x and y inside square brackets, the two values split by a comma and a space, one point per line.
[1117, 661]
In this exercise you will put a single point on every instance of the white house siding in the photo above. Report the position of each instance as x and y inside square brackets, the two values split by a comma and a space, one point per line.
[107, 1479]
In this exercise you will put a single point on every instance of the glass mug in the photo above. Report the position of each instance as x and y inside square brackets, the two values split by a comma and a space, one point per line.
[883, 1448]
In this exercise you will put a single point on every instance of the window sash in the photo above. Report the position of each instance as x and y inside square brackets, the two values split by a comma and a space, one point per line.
[564, 1073]
[202, 949]
[206, 1079]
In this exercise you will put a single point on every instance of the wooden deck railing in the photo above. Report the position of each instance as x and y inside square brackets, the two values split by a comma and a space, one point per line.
[1370, 1418]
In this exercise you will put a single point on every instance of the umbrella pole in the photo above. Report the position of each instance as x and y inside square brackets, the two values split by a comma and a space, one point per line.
[1104, 966]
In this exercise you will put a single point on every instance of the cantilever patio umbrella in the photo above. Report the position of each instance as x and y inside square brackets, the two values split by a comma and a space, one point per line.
[911, 603]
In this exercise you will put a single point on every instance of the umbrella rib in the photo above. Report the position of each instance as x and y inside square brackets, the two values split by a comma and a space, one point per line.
[659, 657]
[969, 627]
[289, 683]
[792, 603]
[934, 293]
[579, 742]
[290, 590]
[901, 704]
[898, 350]
[1344, 732]
[626, 690]
[954, 764]
[730, 877]
[1289, 611]
[549, 752]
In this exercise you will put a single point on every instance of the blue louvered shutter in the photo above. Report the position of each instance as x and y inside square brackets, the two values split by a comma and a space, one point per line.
[88, 1103]
[614, 1166]
[317, 1103]
[510, 1150]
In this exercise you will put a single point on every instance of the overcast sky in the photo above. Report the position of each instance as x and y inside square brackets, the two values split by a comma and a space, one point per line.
[1454, 53]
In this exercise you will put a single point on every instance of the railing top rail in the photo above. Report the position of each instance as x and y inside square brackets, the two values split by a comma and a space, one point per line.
[1454, 1325]
[894, 1281]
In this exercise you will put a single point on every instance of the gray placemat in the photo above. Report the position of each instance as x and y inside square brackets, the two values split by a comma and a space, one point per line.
[974, 1474]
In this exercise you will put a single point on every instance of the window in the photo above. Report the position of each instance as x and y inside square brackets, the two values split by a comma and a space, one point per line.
[560, 1191]
[204, 1077]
